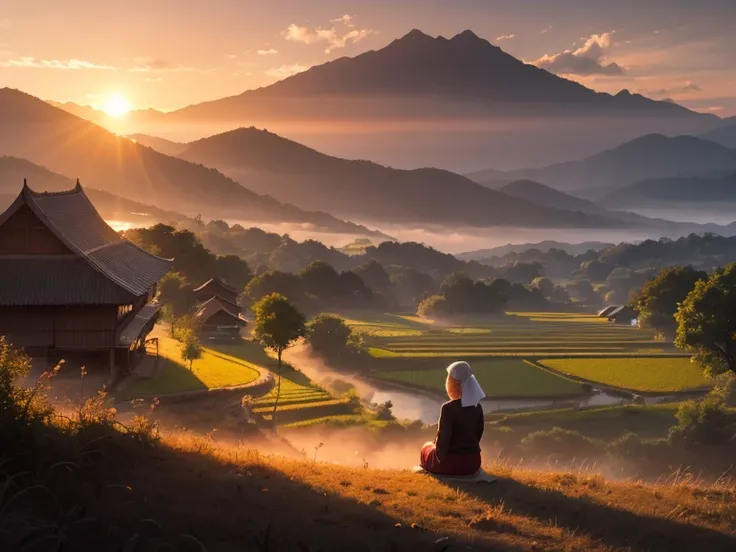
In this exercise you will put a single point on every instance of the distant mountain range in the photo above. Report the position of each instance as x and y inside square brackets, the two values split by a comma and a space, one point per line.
[456, 103]
[691, 192]
[650, 156]
[34, 130]
[362, 190]
[724, 134]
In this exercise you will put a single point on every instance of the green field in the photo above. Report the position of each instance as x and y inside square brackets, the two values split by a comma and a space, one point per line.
[215, 369]
[653, 375]
[508, 378]
[413, 351]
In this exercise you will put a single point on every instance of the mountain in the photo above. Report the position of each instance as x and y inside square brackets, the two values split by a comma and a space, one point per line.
[692, 192]
[459, 103]
[650, 156]
[162, 145]
[366, 191]
[465, 68]
[13, 171]
[724, 135]
[543, 246]
[540, 194]
[32, 129]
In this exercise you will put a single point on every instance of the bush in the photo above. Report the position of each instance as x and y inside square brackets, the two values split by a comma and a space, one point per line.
[562, 442]
[705, 422]
[632, 448]
[329, 335]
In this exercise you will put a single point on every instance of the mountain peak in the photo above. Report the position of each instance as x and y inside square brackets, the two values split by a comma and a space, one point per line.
[466, 35]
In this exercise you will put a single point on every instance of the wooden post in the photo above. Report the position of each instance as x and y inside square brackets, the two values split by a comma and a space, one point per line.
[112, 366]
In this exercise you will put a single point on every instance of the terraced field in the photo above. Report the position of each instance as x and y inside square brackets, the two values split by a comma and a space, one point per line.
[648, 375]
[413, 351]
[540, 335]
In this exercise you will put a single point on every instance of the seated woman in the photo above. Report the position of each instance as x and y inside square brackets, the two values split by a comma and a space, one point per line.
[456, 450]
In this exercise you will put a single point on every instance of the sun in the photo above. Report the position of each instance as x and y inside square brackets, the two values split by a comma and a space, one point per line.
[116, 105]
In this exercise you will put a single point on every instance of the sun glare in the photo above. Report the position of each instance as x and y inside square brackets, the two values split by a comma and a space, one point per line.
[117, 105]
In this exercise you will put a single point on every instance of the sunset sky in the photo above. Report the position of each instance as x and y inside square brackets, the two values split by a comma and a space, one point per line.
[167, 54]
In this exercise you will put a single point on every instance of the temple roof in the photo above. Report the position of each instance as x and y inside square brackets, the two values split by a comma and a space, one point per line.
[72, 218]
[214, 305]
[216, 282]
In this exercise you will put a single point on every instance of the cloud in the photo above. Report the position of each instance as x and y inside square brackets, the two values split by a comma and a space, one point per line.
[687, 87]
[346, 20]
[589, 59]
[546, 29]
[334, 38]
[65, 64]
[505, 37]
[149, 64]
[269, 52]
[286, 70]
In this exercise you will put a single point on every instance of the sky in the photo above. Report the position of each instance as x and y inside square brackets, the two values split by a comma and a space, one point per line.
[167, 54]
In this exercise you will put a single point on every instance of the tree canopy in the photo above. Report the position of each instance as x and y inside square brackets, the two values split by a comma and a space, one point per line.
[706, 322]
[658, 299]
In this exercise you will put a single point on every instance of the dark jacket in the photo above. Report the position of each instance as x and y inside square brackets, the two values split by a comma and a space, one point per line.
[460, 429]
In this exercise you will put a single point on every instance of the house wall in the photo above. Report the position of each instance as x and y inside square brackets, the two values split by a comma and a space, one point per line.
[24, 234]
[73, 327]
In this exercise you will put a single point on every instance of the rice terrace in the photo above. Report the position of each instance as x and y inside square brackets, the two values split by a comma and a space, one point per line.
[529, 355]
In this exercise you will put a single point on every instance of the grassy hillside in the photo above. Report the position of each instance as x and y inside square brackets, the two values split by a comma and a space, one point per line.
[191, 493]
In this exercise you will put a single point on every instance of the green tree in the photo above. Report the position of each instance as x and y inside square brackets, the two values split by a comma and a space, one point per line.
[278, 325]
[658, 300]
[706, 322]
[328, 335]
[544, 285]
[176, 296]
[191, 349]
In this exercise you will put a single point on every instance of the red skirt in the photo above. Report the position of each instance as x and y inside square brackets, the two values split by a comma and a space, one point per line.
[453, 464]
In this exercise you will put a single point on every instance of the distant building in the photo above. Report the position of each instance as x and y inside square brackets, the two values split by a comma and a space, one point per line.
[623, 315]
[218, 314]
[608, 310]
[69, 284]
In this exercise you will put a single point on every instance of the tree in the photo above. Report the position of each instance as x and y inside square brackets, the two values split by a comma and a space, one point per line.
[176, 296]
[583, 291]
[191, 348]
[706, 322]
[658, 299]
[328, 335]
[374, 275]
[544, 285]
[278, 325]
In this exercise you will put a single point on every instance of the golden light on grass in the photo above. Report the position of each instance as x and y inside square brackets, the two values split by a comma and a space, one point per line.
[117, 105]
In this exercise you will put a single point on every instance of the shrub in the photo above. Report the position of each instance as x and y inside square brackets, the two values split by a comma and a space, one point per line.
[384, 411]
[562, 442]
[705, 422]
[328, 335]
[632, 448]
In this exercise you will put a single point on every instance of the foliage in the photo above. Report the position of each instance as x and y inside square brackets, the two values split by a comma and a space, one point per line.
[191, 348]
[21, 409]
[383, 412]
[278, 325]
[176, 296]
[329, 335]
[563, 442]
[545, 286]
[657, 301]
[460, 295]
[192, 259]
[705, 422]
[583, 292]
[706, 322]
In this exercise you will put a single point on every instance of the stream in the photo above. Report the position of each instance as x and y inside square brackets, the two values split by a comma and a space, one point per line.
[419, 406]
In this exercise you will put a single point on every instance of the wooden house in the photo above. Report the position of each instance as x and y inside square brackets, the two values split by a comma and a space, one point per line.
[218, 314]
[217, 318]
[69, 284]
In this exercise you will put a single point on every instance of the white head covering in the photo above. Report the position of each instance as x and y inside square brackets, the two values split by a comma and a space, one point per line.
[472, 391]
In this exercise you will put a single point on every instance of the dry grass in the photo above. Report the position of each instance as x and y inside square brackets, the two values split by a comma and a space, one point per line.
[331, 507]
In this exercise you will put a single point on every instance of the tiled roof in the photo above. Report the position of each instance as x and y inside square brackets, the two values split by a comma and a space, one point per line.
[216, 282]
[214, 305]
[59, 280]
[73, 219]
